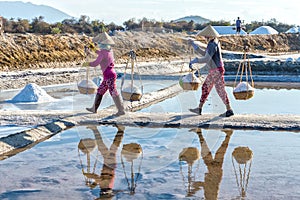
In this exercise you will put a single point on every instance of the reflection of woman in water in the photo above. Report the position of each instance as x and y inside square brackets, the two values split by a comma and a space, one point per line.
[213, 177]
[107, 176]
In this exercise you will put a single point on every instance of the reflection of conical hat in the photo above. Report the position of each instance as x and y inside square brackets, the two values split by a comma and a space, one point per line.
[103, 38]
[208, 31]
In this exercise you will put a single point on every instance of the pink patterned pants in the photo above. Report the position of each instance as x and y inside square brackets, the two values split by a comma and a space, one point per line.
[214, 78]
[108, 84]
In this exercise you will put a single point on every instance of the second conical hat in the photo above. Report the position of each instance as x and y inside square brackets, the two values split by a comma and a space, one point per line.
[208, 31]
[103, 38]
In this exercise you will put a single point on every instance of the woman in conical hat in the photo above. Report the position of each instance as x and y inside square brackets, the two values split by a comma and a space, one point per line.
[213, 58]
[105, 59]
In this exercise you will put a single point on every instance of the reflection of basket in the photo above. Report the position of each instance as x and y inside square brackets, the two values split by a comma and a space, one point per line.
[189, 154]
[128, 96]
[131, 151]
[87, 145]
[243, 95]
[242, 154]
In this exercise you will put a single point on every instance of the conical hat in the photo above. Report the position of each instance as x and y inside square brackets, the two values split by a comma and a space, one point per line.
[103, 38]
[208, 31]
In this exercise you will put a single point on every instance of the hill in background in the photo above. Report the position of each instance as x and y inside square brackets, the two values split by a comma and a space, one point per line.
[196, 19]
[18, 9]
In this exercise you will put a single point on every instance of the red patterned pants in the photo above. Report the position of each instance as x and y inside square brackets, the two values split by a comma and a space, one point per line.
[108, 84]
[214, 78]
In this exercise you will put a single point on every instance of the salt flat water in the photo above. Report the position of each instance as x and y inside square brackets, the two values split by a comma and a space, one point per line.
[265, 101]
[59, 169]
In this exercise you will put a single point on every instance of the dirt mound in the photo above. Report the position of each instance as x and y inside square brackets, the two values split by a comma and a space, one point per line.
[28, 51]
[276, 43]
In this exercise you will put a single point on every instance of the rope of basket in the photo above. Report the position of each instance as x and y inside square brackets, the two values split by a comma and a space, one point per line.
[244, 66]
[132, 60]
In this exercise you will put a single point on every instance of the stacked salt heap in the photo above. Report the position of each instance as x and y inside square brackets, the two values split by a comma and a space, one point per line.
[32, 93]
[243, 87]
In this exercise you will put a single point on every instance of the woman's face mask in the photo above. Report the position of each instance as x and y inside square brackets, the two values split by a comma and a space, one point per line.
[103, 46]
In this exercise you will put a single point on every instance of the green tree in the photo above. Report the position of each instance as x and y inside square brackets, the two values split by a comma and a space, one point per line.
[130, 24]
[39, 26]
[55, 30]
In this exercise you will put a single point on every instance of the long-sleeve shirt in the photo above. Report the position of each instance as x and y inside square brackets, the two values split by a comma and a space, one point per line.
[213, 56]
[106, 61]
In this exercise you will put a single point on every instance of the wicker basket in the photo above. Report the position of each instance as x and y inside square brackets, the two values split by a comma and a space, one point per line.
[131, 96]
[190, 86]
[87, 87]
[243, 95]
[85, 90]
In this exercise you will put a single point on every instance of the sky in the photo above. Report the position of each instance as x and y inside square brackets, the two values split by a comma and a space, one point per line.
[119, 11]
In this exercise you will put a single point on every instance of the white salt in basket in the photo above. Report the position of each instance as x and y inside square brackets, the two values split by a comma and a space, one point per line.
[87, 87]
[190, 82]
[243, 91]
[131, 93]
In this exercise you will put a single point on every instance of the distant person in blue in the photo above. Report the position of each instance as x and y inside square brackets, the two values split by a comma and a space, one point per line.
[238, 24]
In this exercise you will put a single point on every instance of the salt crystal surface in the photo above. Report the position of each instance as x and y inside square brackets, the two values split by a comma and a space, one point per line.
[32, 93]
[190, 78]
[243, 87]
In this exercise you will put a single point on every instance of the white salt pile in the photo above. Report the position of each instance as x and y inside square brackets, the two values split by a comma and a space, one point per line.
[293, 30]
[191, 78]
[264, 30]
[132, 89]
[243, 87]
[32, 93]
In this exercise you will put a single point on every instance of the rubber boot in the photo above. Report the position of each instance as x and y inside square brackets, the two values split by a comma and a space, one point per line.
[96, 105]
[119, 105]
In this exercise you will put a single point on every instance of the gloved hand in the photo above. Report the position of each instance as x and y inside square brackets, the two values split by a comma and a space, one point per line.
[191, 66]
[86, 64]
[195, 60]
